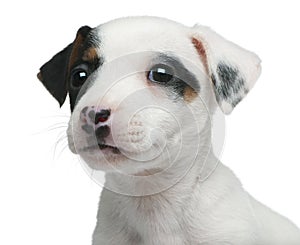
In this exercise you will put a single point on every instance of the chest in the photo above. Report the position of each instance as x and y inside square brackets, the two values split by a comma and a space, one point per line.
[157, 220]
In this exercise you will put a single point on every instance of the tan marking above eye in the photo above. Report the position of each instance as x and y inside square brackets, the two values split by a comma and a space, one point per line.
[189, 94]
[90, 54]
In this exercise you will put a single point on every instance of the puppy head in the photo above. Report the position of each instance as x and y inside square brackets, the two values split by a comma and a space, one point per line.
[142, 90]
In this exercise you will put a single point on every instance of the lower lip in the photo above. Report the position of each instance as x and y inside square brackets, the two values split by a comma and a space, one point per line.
[100, 147]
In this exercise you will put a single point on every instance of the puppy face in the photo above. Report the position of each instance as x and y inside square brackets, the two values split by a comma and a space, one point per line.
[142, 90]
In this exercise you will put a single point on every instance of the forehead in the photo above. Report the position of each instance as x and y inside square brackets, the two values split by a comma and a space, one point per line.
[139, 34]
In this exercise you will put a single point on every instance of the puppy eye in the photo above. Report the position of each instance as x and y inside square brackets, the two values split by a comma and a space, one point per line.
[160, 74]
[79, 75]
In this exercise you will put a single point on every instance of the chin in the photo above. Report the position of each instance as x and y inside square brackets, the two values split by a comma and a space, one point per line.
[112, 159]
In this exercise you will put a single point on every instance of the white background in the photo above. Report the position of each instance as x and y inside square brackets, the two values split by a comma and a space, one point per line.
[47, 198]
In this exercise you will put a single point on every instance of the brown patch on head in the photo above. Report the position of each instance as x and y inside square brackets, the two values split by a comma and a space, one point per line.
[77, 44]
[189, 94]
[90, 55]
[201, 51]
[80, 45]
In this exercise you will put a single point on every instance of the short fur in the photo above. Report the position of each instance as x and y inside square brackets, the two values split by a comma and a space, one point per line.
[121, 121]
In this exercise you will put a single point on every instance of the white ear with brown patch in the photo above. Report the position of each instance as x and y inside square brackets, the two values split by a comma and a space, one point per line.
[233, 70]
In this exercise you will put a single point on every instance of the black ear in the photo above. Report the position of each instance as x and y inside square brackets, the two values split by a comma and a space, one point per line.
[54, 74]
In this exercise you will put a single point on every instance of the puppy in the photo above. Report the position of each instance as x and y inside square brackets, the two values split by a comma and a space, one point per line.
[142, 94]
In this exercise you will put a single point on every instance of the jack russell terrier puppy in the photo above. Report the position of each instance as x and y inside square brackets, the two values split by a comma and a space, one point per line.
[142, 93]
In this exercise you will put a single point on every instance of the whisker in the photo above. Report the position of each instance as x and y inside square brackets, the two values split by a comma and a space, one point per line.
[58, 127]
[52, 127]
[62, 150]
[62, 137]
[55, 116]
[60, 123]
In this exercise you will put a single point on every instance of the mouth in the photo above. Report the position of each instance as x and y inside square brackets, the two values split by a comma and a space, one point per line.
[100, 147]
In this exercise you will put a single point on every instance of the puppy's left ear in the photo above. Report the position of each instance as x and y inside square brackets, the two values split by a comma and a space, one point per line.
[232, 70]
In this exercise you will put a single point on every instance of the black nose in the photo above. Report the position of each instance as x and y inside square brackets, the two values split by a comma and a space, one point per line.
[102, 116]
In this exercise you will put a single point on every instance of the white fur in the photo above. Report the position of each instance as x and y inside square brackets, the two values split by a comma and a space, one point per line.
[141, 204]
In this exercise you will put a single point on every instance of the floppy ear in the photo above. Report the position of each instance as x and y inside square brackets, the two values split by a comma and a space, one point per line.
[54, 73]
[233, 70]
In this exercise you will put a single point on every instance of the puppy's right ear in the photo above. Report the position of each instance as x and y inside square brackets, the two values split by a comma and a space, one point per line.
[54, 74]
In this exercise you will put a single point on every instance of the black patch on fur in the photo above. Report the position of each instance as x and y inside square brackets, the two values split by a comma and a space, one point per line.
[92, 115]
[76, 92]
[214, 81]
[229, 83]
[182, 77]
[87, 128]
[102, 132]
[84, 110]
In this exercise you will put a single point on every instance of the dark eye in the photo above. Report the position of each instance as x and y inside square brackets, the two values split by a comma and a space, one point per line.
[160, 74]
[79, 75]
